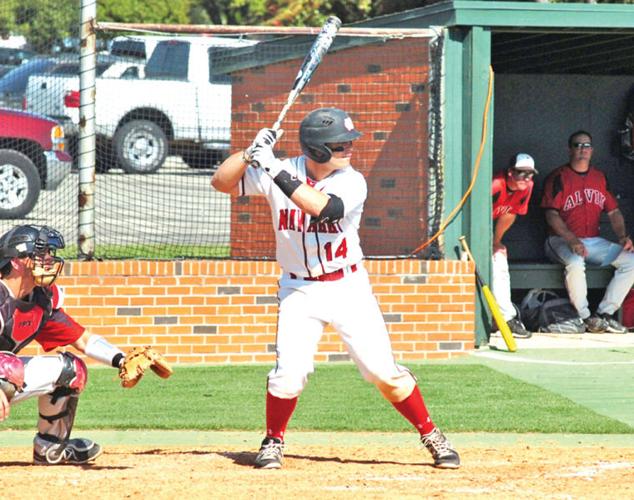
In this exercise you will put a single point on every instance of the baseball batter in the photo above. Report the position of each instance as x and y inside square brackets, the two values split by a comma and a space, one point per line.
[31, 309]
[575, 195]
[316, 205]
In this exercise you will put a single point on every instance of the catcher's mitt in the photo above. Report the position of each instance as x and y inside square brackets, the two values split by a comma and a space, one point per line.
[140, 359]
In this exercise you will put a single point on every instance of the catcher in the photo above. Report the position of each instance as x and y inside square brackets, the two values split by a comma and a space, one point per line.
[31, 309]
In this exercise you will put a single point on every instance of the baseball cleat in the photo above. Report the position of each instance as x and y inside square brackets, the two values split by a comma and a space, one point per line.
[445, 457]
[72, 452]
[271, 454]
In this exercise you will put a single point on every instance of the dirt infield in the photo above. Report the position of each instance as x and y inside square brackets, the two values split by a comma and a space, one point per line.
[312, 471]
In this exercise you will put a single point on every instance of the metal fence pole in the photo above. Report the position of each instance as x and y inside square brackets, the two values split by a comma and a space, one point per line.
[87, 137]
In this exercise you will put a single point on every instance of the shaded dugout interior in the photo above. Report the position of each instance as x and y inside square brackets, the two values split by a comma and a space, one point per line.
[557, 68]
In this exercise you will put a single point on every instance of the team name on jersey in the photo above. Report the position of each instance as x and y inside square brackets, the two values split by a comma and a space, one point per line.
[584, 196]
[501, 210]
[292, 219]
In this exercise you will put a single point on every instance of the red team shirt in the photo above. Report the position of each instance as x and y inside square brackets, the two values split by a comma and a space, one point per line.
[506, 201]
[40, 317]
[579, 198]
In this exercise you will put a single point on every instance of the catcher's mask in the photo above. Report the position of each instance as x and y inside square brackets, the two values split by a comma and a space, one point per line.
[40, 243]
[325, 126]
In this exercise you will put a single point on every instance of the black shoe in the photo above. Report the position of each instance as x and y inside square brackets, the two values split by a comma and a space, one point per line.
[596, 324]
[445, 457]
[271, 454]
[613, 326]
[74, 451]
[518, 329]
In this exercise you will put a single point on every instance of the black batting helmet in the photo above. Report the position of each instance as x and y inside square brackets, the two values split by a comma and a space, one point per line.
[325, 126]
[36, 242]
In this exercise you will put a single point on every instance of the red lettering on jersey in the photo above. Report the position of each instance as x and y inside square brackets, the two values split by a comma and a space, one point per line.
[332, 228]
[301, 217]
[321, 227]
[291, 218]
[283, 224]
[25, 323]
[312, 227]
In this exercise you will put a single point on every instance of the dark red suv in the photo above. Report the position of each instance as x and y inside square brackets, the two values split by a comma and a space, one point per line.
[32, 157]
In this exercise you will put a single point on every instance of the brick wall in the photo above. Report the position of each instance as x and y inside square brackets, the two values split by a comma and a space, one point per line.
[226, 311]
[383, 86]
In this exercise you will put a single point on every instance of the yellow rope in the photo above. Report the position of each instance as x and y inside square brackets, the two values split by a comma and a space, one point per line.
[476, 168]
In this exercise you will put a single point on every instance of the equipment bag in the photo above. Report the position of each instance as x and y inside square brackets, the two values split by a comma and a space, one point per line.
[544, 311]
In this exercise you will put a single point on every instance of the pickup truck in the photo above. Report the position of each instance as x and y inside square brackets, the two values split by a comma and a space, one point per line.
[32, 158]
[46, 89]
[181, 107]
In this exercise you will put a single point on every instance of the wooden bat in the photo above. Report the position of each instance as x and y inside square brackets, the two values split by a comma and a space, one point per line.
[491, 302]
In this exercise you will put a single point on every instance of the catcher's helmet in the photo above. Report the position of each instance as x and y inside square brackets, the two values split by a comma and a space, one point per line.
[325, 126]
[37, 242]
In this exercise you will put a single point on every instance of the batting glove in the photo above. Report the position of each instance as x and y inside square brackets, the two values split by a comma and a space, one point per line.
[265, 137]
[263, 157]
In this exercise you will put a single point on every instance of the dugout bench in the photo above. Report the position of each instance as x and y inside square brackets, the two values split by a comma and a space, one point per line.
[527, 275]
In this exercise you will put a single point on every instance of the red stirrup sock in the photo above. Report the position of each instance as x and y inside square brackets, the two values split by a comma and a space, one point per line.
[413, 409]
[278, 413]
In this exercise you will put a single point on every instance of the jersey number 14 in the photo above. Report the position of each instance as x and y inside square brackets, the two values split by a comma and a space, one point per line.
[342, 250]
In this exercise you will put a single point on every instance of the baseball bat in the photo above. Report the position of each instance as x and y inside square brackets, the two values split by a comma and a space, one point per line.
[312, 60]
[306, 71]
[491, 302]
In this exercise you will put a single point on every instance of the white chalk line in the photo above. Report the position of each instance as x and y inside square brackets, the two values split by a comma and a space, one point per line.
[519, 359]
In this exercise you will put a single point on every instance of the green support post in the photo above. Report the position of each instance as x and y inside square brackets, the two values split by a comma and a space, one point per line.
[467, 63]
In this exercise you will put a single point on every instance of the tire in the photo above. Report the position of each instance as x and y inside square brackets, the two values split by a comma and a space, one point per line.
[20, 184]
[140, 147]
[203, 158]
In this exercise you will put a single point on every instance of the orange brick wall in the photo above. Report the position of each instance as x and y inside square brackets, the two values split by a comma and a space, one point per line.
[384, 87]
[226, 311]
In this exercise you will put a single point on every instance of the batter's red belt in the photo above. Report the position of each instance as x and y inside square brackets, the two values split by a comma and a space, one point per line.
[333, 276]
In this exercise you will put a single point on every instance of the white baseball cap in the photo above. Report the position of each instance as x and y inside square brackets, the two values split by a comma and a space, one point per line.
[524, 162]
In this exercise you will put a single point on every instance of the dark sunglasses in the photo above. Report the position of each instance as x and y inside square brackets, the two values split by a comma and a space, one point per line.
[522, 176]
[582, 145]
[339, 147]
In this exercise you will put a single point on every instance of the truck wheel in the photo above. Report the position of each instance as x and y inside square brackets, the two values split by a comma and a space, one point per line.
[141, 147]
[20, 184]
[203, 158]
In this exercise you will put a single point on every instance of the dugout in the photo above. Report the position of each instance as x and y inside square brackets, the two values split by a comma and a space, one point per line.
[557, 68]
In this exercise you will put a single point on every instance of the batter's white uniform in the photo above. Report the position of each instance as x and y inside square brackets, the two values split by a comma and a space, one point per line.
[325, 282]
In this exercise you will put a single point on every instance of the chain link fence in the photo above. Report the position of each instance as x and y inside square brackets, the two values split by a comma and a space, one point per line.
[170, 102]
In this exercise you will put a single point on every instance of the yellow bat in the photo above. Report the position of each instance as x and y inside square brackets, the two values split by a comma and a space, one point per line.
[491, 302]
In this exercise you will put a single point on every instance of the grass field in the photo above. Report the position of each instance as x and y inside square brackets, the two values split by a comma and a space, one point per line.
[460, 397]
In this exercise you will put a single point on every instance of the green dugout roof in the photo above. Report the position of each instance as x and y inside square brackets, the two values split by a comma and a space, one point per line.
[513, 15]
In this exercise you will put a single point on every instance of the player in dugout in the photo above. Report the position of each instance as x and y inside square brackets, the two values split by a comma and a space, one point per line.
[316, 202]
[511, 192]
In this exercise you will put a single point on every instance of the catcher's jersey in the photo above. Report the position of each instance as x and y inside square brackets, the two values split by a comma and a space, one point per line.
[506, 201]
[304, 247]
[579, 198]
[38, 317]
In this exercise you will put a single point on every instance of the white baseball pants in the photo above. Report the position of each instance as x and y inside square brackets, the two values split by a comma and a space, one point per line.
[601, 252]
[350, 306]
[501, 285]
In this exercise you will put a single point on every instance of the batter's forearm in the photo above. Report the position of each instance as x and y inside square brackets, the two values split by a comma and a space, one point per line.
[309, 199]
[229, 173]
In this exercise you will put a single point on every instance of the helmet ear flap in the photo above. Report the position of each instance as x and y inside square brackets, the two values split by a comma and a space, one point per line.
[320, 154]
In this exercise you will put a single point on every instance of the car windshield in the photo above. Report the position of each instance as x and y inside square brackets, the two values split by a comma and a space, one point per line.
[16, 79]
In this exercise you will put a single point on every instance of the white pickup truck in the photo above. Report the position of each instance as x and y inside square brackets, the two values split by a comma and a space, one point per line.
[181, 106]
